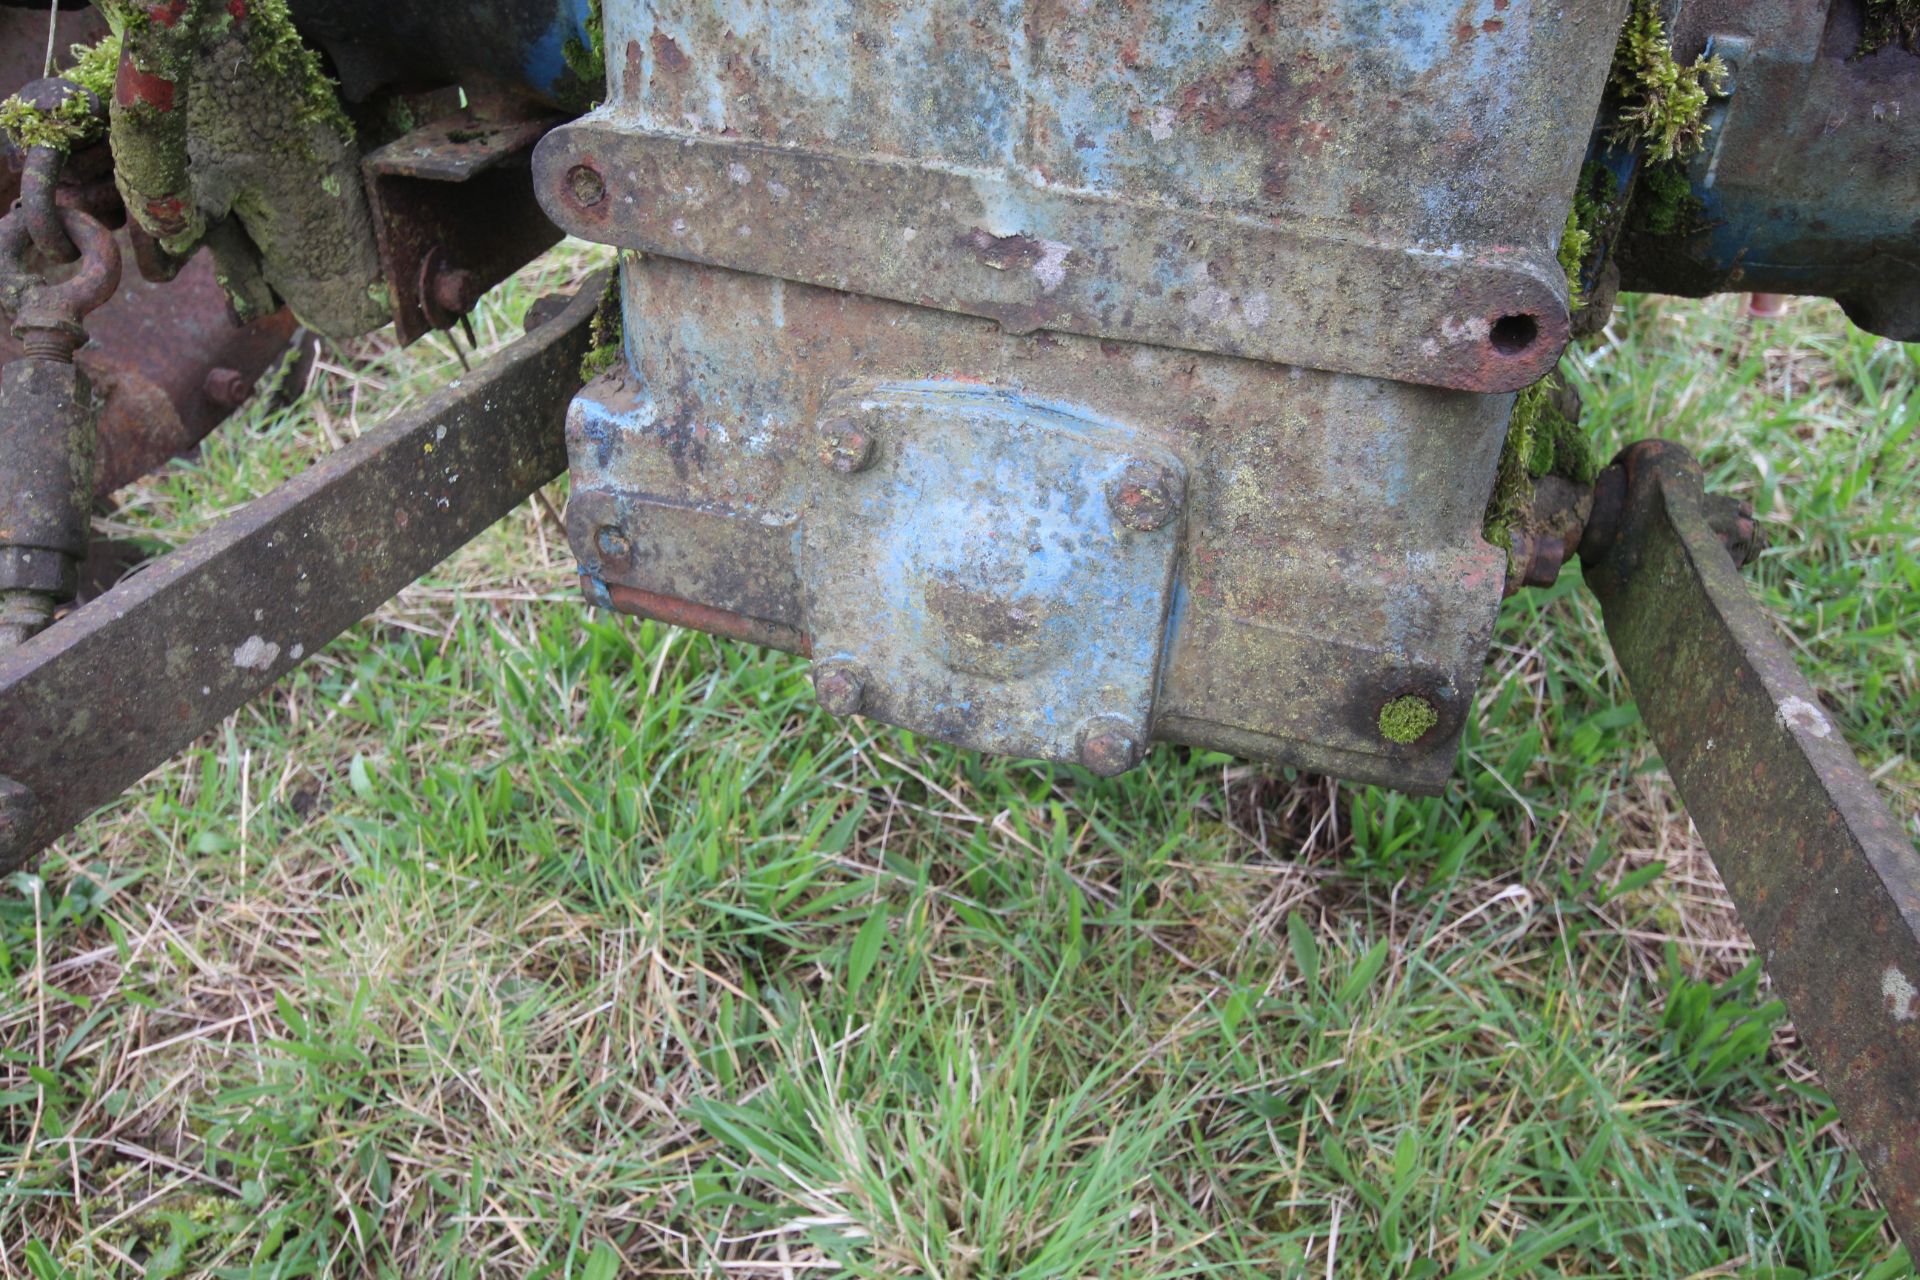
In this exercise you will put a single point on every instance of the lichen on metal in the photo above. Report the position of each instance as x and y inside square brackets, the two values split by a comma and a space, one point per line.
[226, 130]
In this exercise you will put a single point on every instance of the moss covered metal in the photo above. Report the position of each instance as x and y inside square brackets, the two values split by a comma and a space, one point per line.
[74, 123]
[1662, 102]
[227, 131]
[607, 334]
[1543, 439]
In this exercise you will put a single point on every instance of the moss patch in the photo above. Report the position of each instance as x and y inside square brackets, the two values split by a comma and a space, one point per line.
[1664, 203]
[1408, 718]
[72, 125]
[1541, 441]
[1594, 201]
[1662, 104]
[608, 335]
[588, 60]
[1891, 22]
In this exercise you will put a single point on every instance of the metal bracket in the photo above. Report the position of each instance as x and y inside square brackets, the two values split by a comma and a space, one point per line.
[1826, 881]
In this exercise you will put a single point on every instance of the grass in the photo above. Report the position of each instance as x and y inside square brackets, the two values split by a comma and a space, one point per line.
[505, 939]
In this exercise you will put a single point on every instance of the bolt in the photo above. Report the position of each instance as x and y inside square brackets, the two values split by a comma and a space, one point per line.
[588, 187]
[1109, 746]
[1535, 559]
[455, 289]
[840, 687]
[847, 447]
[19, 810]
[227, 388]
[613, 544]
[1145, 497]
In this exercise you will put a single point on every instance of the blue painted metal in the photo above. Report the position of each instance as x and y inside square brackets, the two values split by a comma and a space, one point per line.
[1281, 246]
[1810, 180]
[977, 571]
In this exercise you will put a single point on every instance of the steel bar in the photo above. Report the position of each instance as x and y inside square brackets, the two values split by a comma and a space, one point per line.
[1825, 880]
[91, 705]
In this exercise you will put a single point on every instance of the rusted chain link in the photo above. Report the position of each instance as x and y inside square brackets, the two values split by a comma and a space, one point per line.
[40, 176]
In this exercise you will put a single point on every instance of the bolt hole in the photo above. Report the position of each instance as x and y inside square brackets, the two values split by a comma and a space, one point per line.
[588, 187]
[1512, 335]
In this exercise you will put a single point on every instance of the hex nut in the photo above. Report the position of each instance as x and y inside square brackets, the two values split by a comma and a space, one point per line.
[227, 388]
[455, 290]
[1110, 745]
[840, 687]
[1146, 496]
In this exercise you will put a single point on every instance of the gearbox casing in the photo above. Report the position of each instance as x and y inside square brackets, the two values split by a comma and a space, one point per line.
[1293, 258]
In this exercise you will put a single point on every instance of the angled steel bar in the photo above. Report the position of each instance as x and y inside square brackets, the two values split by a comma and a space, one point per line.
[1826, 881]
[91, 705]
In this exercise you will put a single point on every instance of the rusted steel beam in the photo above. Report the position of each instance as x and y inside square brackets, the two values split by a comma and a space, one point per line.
[1826, 881]
[93, 703]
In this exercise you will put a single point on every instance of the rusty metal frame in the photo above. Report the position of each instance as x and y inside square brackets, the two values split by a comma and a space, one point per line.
[93, 703]
[1825, 880]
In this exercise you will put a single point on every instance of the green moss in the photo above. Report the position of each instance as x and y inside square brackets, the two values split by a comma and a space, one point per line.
[587, 60]
[1664, 204]
[1593, 209]
[607, 334]
[1662, 104]
[1408, 718]
[1890, 22]
[1561, 448]
[278, 49]
[1574, 243]
[1541, 441]
[71, 125]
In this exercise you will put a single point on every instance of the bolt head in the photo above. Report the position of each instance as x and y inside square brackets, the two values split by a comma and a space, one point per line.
[1109, 746]
[586, 184]
[847, 447]
[455, 290]
[841, 688]
[1145, 497]
[227, 388]
[613, 544]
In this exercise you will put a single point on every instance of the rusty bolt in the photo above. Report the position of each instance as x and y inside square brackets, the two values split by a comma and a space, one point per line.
[588, 187]
[841, 687]
[847, 447]
[19, 810]
[1109, 746]
[613, 544]
[455, 289]
[1145, 497]
[1535, 559]
[227, 388]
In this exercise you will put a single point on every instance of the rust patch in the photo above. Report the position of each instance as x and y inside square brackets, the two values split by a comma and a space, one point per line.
[668, 54]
